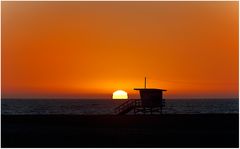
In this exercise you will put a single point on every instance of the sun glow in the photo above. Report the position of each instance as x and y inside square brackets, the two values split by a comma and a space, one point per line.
[120, 94]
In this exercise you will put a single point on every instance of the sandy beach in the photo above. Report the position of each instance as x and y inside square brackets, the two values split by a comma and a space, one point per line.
[199, 130]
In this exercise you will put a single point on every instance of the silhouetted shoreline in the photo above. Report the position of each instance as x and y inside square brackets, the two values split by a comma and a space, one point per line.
[168, 130]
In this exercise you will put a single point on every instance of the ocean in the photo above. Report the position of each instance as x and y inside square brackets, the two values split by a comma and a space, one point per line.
[105, 107]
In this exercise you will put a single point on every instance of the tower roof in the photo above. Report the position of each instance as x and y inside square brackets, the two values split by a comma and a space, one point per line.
[149, 89]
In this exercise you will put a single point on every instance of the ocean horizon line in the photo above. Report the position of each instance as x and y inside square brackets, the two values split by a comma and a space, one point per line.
[81, 98]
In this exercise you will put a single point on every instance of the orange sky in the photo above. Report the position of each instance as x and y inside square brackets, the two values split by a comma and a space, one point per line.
[91, 49]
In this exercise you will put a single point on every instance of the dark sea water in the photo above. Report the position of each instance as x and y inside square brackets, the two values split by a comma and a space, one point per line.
[93, 107]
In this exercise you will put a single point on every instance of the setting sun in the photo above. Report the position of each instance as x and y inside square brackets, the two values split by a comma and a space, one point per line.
[120, 94]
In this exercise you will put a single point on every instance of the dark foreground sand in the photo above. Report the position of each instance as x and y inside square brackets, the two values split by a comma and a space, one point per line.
[205, 130]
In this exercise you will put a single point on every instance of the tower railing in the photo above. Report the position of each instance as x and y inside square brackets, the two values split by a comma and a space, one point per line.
[136, 105]
[127, 105]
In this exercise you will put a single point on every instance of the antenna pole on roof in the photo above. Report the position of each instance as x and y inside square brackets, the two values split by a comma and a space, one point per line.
[145, 83]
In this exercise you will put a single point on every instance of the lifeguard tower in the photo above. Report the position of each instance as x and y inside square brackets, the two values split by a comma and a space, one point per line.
[151, 102]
